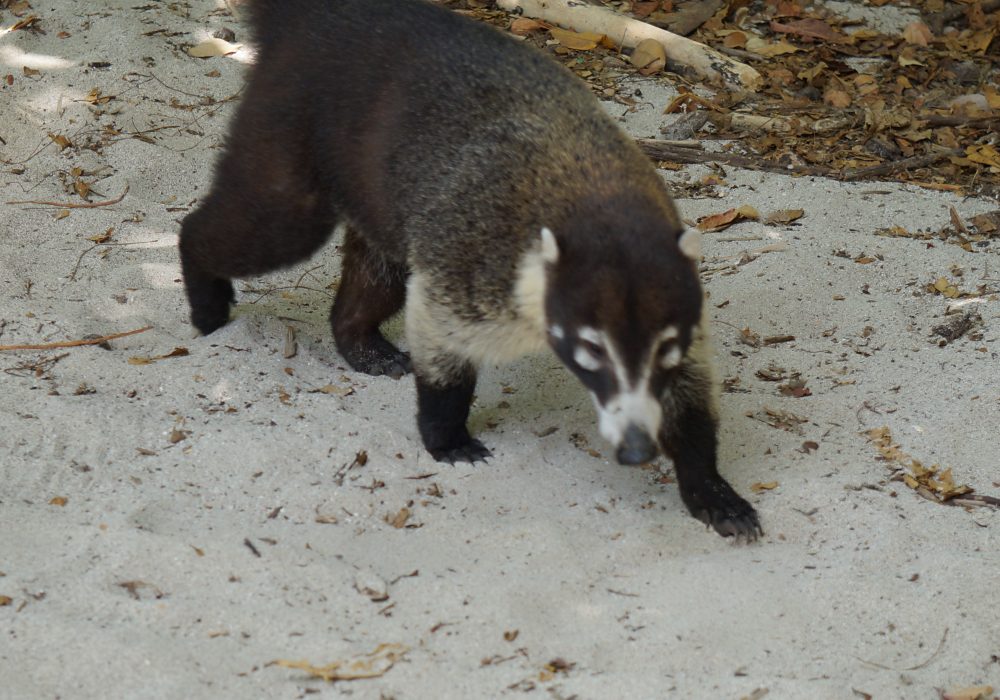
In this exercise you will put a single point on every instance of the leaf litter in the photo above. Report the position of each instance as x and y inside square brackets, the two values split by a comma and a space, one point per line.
[372, 665]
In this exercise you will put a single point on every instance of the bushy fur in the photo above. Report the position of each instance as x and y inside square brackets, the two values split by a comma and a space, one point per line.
[445, 147]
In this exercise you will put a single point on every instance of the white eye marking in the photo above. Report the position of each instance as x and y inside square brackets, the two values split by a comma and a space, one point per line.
[586, 359]
[670, 333]
[550, 247]
[557, 332]
[690, 244]
[671, 358]
[590, 335]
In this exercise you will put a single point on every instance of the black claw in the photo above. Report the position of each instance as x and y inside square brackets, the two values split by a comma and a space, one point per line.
[471, 452]
[717, 505]
[381, 359]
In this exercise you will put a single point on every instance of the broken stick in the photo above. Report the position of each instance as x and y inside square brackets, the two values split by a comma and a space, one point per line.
[628, 32]
[75, 343]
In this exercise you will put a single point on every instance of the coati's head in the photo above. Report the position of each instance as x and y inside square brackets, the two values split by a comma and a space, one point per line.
[621, 308]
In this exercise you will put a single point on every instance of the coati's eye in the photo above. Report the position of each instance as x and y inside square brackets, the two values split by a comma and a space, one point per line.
[589, 355]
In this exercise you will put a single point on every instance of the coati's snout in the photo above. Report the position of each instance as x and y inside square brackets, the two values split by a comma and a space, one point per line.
[623, 327]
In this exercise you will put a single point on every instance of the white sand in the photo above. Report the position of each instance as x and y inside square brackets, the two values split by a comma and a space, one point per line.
[857, 580]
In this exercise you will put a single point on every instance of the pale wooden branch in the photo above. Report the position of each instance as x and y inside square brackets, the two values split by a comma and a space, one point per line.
[626, 31]
[75, 343]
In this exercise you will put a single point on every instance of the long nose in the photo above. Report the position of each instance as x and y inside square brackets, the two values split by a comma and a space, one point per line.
[636, 446]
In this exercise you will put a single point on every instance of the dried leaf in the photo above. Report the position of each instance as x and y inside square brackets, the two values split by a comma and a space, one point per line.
[398, 521]
[764, 48]
[580, 41]
[58, 501]
[649, 57]
[757, 487]
[176, 352]
[61, 141]
[837, 98]
[373, 665]
[522, 26]
[102, 237]
[334, 389]
[213, 47]
[5, 600]
[917, 33]
[811, 29]
[717, 222]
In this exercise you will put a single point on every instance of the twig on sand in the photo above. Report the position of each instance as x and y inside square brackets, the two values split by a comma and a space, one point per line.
[73, 205]
[75, 343]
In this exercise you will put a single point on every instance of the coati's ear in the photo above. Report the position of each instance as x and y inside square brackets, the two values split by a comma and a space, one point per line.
[690, 244]
[550, 247]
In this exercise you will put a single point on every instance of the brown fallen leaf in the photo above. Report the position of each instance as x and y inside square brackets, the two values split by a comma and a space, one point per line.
[373, 665]
[61, 141]
[5, 600]
[58, 501]
[102, 237]
[580, 41]
[176, 352]
[522, 26]
[649, 57]
[811, 28]
[758, 486]
[398, 521]
[717, 222]
[917, 33]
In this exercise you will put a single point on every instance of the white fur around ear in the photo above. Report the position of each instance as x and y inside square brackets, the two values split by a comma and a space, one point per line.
[690, 244]
[550, 247]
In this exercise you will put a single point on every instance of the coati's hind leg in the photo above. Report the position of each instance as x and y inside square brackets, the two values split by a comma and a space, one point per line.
[445, 379]
[688, 436]
[371, 290]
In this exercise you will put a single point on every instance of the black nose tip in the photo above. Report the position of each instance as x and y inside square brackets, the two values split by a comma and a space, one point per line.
[636, 447]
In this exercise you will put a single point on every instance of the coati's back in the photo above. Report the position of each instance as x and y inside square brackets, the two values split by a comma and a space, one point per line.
[418, 110]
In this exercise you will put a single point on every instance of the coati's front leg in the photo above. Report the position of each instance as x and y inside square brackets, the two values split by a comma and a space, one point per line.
[371, 290]
[688, 436]
[445, 378]
[442, 410]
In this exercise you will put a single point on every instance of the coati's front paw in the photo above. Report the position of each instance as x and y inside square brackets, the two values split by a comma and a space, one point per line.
[471, 452]
[458, 449]
[210, 304]
[378, 358]
[716, 504]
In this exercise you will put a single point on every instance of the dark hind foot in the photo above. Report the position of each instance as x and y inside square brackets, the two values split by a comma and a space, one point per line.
[371, 290]
[715, 503]
[376, 356]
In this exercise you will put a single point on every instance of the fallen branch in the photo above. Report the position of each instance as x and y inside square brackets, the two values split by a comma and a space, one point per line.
[628, 32]
[73, 205]
[904, 164]
[75, 343]
[660, 150]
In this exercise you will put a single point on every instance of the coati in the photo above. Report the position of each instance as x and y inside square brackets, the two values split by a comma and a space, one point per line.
[484, 188]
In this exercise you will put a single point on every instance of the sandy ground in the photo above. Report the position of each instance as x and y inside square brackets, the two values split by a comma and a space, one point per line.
[168, 529]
